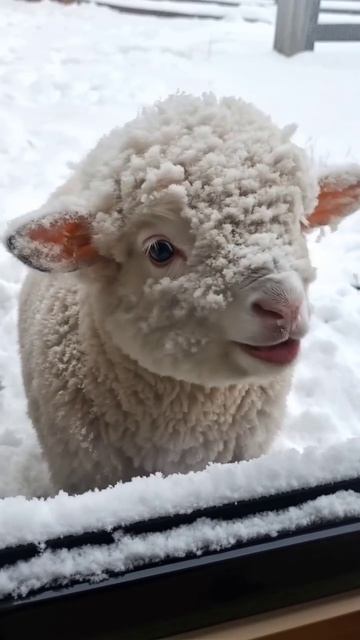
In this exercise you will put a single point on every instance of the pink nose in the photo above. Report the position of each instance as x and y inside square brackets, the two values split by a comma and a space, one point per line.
[273, 310]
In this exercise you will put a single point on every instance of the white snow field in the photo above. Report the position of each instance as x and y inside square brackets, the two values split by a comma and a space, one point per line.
[68, 74]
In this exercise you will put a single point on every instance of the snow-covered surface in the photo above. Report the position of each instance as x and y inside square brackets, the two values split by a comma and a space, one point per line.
[250, 10]
[96, 562]
[343, 5]
[69, 74]
[338, 18]
[170, 6]
[37, 520]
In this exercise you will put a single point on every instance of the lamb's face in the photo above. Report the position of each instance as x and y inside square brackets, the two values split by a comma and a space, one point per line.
[215, 306]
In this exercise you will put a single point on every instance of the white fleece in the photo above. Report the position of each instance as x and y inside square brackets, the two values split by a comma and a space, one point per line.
[128, 371]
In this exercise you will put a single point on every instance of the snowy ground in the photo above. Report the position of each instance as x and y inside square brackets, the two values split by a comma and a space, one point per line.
[69, 74]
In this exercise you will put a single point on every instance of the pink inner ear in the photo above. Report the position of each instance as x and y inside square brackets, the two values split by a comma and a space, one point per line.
[334, 204]
[71, 237]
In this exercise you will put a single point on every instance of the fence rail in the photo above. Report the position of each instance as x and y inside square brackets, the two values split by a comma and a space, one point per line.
[297, 25]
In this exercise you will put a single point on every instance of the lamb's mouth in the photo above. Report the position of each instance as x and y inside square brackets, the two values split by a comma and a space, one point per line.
[281, 353]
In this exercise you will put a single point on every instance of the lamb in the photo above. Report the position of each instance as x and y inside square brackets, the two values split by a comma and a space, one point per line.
[169, 294]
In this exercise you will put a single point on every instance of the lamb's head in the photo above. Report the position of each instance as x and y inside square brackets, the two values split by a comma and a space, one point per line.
[193, 220]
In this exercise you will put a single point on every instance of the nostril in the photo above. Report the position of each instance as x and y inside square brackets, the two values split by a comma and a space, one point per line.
[11, 243]
[261, 310]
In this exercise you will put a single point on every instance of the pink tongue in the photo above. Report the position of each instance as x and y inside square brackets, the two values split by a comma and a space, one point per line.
[282, 353]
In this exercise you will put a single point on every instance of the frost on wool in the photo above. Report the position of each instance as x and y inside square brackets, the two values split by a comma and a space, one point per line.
[224, 167]
[241, 184]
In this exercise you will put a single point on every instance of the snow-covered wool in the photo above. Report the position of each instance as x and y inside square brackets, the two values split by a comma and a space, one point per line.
[130, 367]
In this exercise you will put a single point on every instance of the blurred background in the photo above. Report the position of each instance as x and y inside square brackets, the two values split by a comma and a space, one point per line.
[70, 71]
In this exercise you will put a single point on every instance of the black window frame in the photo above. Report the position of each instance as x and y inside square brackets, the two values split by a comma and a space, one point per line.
[158, 600]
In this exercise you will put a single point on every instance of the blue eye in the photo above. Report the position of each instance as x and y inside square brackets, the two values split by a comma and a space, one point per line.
[161, 252]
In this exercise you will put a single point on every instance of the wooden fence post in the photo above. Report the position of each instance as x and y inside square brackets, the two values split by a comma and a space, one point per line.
[296, 22]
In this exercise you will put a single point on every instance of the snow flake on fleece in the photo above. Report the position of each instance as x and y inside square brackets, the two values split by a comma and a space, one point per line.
[237, 179]
[95, 562]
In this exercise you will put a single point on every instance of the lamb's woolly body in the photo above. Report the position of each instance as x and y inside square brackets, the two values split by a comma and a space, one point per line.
[101, 352]
[101, 417]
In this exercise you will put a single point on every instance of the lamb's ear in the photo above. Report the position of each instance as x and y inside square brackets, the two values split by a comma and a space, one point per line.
[53, 242]
[339, 196]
